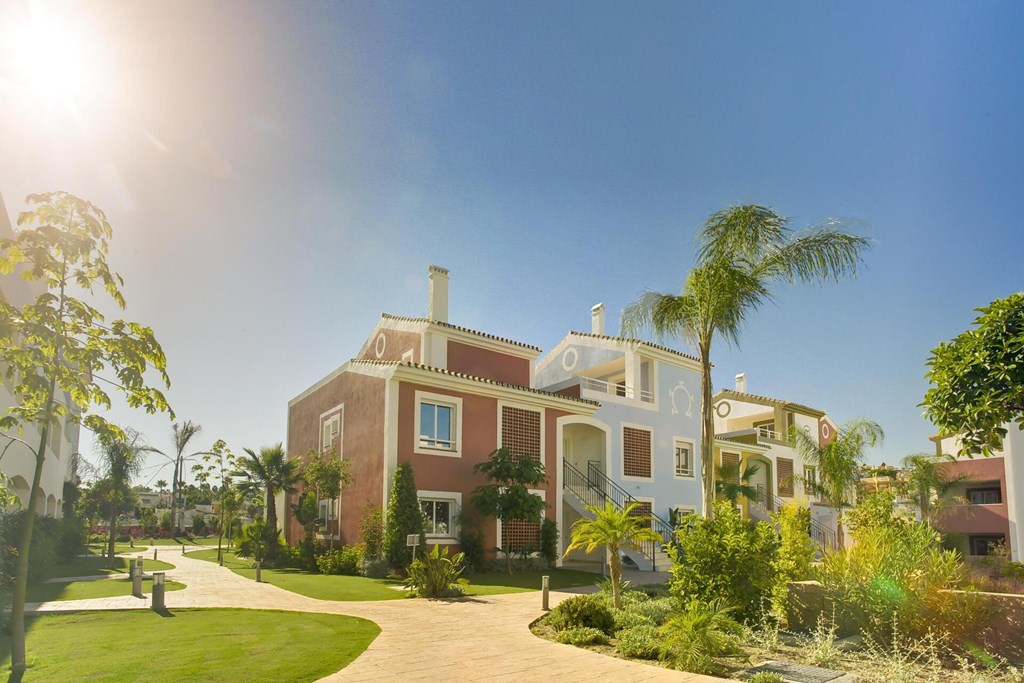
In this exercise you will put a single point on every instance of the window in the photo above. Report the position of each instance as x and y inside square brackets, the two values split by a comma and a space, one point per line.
[732, 459]
[989, 495]
[982, 545]
[437, 515]
[810, 479]
[436, 422]
[785, 477]
[330, 431]
[636, 452]
[520, 431]
[678, 513]
[684, 459]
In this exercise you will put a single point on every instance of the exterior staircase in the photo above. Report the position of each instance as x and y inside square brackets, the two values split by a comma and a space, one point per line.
[762, 507]
[595, 489]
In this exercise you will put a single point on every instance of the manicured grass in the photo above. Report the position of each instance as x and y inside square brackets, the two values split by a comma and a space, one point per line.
[319, 586]
[81, 590]
[521, 582]
[119, 548]
[191, 542]
[90, 566]
[214, 646]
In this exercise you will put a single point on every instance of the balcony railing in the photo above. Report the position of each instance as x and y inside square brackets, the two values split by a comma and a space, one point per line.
[603, 387]
[765, 433]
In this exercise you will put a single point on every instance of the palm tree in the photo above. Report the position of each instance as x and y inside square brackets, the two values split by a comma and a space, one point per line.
[731, 482]
[121, 461]
[837, 462]
[183, 434]
[615, 529]
[161, 485]
[930, 484]
[743, 252]
[268, 472]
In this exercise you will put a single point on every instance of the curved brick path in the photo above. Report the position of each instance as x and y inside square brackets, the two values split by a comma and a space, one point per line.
[477, 639]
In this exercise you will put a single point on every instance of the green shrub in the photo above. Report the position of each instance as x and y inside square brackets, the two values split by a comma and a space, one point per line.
[150, 523]
[549, 541]
[642, 641]
[653, 590]
[655, 611]
[626, 619]
[199, 525]
[344, 560]
[72, 539]
[582, 635]
[796, 551]
[727, 559]
[694, 637]
[766, 677]
[404, 517]
[435, 575]
[375, 569]
[471, 539]
[1013, 571]
[371, 532]
[166, 522]
[582, 610]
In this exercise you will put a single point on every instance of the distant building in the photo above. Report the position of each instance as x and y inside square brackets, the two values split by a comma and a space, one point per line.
[19, 461]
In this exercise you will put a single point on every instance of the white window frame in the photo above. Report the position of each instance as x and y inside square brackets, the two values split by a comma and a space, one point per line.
[327, 418]
[622, 451]
[453, 497]
[455, 403]
[691, 445]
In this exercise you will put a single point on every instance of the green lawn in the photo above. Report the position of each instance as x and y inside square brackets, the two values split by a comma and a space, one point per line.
[521, 582]
[90, 566]
[189, 542]
[214, 646]
[320, 586]
[80, 590]
[100, 549]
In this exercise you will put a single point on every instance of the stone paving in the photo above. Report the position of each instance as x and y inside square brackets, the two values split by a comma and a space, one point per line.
[474, 639]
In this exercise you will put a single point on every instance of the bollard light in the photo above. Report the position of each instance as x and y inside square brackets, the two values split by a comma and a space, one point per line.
[158, 590]
[154, 553]
[545, 584]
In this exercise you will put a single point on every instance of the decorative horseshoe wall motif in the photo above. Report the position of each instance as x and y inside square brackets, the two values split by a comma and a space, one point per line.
[689, 398]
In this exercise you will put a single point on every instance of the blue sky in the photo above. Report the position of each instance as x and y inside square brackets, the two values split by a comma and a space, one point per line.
[278, 174]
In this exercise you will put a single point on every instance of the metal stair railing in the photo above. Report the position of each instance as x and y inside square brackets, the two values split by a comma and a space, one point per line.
[623, 499]
[819, 533]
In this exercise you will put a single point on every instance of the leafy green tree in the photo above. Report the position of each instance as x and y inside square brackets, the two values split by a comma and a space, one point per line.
[95, 503]
[731, 482]
[614, 529]
[743, 252]
[796, 552]
[121, 460]
[327, 474]
[404, 517]
[307, 513]
[930, 483]
[217, 464]
[837, 462]
[59, 345]
[371, 532]
[724, 557]
[978, 378]
[267, 473]
[507, 498]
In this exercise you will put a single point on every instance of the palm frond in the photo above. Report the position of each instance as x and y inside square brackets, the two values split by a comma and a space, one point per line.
[740, 234]
[826, 255]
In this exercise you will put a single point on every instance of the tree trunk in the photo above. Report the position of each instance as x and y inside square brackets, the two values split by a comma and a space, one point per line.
[707, 432]
[271, 511]
[616, 573]
[840, 536]
[174, 499]
[21, 573]
[110, 529]
[508, 556]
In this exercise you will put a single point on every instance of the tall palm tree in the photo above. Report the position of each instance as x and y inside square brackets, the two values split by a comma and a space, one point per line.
[121, 461]
[742, 252]
[268, 472]
[161, 485]
[837, 462]
[183, 435]
[929, 484]
[731, 482]
[615, 529]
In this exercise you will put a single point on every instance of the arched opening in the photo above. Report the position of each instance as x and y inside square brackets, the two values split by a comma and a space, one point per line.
[51, 505]
[585, 449]
[21, 490]
[40, 502]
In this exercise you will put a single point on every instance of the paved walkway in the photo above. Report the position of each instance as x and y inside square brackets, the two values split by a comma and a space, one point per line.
[476, 639]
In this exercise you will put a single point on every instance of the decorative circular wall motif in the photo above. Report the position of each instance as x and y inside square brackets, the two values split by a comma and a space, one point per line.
[380, 345]
[723, 409]
[826, 430]
[570, 358]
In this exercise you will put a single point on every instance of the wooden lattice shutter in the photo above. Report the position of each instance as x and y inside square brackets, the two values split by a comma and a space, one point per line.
[520, 431]
[732, 459]
[636, 452]
[785, 477]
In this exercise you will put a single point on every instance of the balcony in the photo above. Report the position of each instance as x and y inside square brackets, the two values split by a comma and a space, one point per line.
[600, 386]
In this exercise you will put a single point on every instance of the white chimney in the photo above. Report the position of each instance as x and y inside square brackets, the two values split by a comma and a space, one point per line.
[741, 382]
[437, 303]
[597, 319]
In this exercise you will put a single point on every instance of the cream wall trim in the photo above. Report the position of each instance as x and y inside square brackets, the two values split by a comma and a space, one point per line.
[560, 424]
[524, 406]
[500, 542]
[325, 416]
[453, 533]
[456, 403]
[390, 440]
[622, 450]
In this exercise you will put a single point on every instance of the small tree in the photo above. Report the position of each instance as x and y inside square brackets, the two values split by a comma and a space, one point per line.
[58, 345]
[121, 461]
[508, 497]
[404, 517]
[796, 552]
[731, 482]
[307, 514]
[371, 532]
[615, 529]
[327, 474]
[978, 378]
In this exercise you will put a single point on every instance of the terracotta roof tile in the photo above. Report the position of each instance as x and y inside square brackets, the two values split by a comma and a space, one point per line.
[461, 329]
[636, 341]
[741, 395]
[442, 371]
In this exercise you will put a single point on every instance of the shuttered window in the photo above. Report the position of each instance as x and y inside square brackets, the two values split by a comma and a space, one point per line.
[520, 431]
[732, 459]
[636, 452]
[785, 479]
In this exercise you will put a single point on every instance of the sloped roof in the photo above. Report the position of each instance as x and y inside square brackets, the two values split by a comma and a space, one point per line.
[461, 329]
[639, 342]
[474, 378]
[757, 398]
